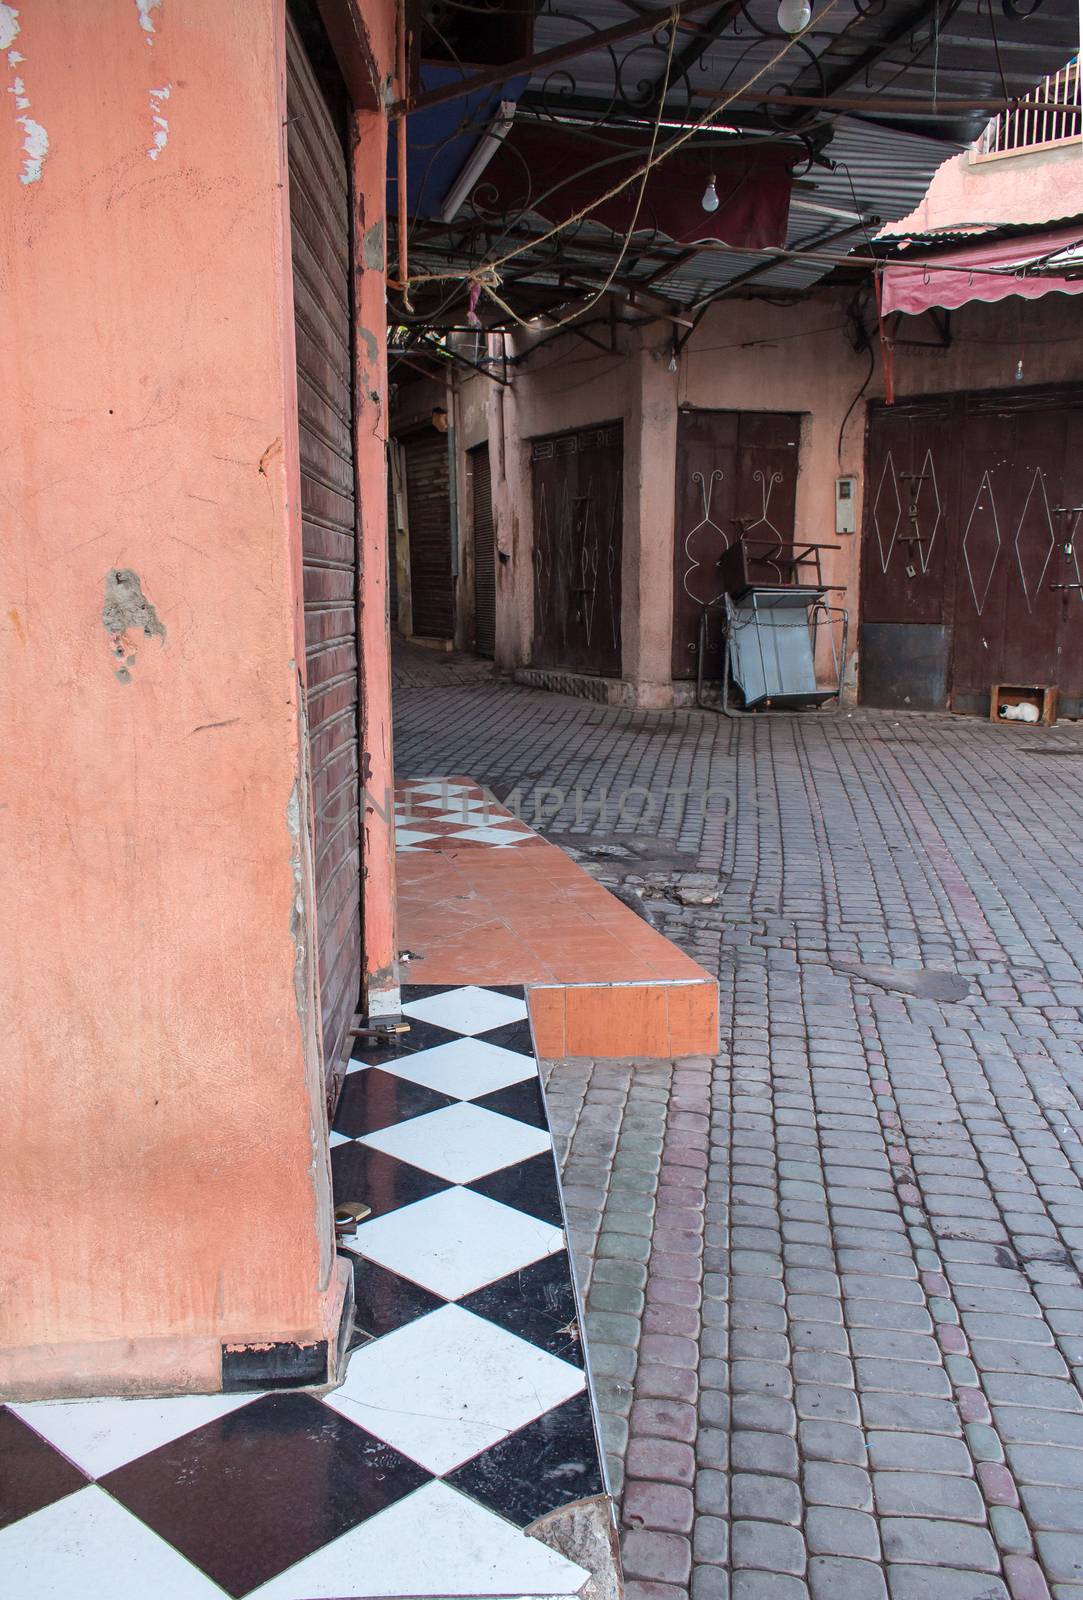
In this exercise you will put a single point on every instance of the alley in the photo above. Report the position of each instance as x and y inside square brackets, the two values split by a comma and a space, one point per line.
[834, 1305]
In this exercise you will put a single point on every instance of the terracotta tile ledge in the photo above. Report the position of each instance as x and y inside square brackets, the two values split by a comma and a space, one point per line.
[484, 900]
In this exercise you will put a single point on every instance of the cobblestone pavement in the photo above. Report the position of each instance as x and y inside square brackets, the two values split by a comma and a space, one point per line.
[835, 1306]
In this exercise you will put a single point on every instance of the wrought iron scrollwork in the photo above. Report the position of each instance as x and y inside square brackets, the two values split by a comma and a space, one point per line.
[614, 92]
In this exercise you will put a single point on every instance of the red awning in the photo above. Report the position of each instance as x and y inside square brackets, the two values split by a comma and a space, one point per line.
[988, 272]
[557, 171]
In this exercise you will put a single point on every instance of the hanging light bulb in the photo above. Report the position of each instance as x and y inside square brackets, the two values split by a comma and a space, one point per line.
[710, 196]
[671, 364]
[794, 16]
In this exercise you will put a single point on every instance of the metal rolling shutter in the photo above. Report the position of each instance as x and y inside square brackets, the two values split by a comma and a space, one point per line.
[429, 511]
[484, 554]
[320, 230]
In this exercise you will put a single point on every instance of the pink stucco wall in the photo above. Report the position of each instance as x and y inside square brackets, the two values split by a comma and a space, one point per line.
[741, 357]
[746, 354]
[986, 191]
[568, 384]
[164, 1181]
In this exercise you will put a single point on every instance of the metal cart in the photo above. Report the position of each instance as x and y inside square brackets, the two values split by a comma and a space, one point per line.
[773, 605]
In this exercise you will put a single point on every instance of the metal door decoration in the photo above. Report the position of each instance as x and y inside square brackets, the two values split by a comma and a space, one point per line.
[1038, 551]
[908, 470]
[918, 525]
[578, 539]
[973, 531]
[981, 543]
[736, 477]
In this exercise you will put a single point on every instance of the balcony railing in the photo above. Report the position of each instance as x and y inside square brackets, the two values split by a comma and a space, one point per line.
[1049, 115]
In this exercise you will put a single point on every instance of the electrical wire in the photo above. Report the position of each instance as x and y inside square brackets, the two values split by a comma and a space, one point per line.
[487, 275]
[778, 338]
[871, 353]
[626, 243]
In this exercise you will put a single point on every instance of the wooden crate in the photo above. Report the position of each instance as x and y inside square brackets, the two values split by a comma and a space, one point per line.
[1043, 695]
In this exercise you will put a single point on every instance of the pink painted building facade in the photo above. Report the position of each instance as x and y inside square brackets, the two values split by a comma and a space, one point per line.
[164, 1182]
[812, 364]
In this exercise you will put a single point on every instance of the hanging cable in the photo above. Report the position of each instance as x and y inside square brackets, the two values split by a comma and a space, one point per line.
[854, 402]
[488, 273]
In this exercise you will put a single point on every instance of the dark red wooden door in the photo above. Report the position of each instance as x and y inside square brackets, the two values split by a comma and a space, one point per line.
[909, 490]
[319, 197]
[736, 477]
[972, 507]
[1066, 562]
[578, 541]
[982, 532]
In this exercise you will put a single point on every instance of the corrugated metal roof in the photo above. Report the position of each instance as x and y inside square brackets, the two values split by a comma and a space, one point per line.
[833, 55]
[986, 231]
[884, 171]
[877, 168]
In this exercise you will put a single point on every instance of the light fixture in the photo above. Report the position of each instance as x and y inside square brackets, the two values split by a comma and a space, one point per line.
[482, 154]
[710, 196]
[794, 16]
[671, 364]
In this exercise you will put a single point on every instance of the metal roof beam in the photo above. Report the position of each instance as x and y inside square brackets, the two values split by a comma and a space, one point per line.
[884, 103]
[436, 240]
[684, 60]
[645, 22]
[841, 79]
[829, 237]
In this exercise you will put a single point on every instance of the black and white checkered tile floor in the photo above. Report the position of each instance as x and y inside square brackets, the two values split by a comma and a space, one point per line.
[464, 1415]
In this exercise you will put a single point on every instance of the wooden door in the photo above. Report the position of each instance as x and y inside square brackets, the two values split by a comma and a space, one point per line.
[971, 502]
[1027, 631]
[578, 540]
[984, 442]
[319, 200]
[1066, 563]
[908, 553]
[909, 487]
[428, 504]
[736, 478]
[484, 543]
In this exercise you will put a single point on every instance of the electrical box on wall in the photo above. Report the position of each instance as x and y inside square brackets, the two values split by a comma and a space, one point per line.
[845, 505]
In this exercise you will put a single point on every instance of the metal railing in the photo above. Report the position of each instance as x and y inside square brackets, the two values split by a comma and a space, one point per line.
[1050, 114]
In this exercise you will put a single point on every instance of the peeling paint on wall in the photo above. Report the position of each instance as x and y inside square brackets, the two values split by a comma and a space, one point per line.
[35, 148]
[127, 610]
[35, 138]
[298, 922]
[159, 123]
[372, 247]
[146, 10]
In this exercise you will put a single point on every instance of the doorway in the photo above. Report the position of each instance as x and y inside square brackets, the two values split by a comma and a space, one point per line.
[736, 478]
[578, 540]
[973, 505]
[428, 509]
